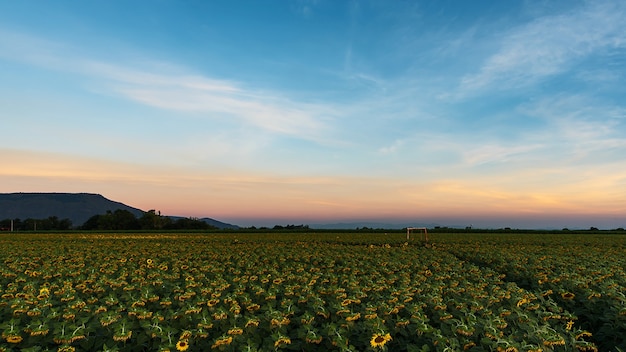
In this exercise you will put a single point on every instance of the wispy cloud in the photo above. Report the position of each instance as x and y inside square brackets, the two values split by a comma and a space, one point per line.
[287, 118]
[392, 148]
[549, 46]
[580, 128]
[165, 86]
[497, 153]
[219, 99]
[305, 8]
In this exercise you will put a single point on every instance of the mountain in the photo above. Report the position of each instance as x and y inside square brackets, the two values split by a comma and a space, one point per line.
[78, 207]
[371, 225]
[212, 222]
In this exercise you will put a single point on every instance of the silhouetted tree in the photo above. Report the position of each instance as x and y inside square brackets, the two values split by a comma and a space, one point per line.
[152, 220]
[189, 223]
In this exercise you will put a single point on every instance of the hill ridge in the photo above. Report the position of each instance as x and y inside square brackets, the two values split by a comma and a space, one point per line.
[78, 207]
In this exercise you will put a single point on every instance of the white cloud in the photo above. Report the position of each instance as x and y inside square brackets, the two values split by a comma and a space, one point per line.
[497, 153]
[218, 99]
[305, 7]
[148, 78]
[298, 120]
[580, 129]
[549, 46]
[392, 148]
[578, 117]
[165, 86]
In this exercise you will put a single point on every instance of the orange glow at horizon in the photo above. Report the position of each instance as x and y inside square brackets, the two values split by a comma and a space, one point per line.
[246, 195]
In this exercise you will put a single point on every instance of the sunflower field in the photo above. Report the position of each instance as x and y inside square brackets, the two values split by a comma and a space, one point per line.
[312, 292]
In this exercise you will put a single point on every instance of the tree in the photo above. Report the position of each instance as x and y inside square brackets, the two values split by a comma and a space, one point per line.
[152, 220]
[117, 220]
[189, 223]
[91, 223]
[125, 220]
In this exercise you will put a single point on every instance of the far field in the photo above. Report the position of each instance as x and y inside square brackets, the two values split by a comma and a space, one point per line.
[348, 291]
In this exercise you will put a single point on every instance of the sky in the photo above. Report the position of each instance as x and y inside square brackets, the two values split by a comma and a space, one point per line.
[484, 113]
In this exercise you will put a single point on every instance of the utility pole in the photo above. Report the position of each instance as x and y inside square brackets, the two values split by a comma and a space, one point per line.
[11, 225]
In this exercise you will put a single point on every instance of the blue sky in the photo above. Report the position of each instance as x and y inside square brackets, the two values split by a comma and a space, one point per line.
[488, 113]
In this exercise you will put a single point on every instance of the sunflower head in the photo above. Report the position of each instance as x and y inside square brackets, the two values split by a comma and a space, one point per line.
[14, 339]
[282, 340]
[379, 340]
[182, 345]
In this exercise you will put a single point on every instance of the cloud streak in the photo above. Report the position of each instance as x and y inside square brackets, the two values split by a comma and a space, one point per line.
[549, 46]
[180, 91]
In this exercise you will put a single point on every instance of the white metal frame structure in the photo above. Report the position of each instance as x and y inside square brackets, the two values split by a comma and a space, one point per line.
[423, 230]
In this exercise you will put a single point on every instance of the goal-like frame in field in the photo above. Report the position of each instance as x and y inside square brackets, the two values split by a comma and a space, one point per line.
[422, 230]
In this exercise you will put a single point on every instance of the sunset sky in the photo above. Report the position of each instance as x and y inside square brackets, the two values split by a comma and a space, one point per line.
[489, 113]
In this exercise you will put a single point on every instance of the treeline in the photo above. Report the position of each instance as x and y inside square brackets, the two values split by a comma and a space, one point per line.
[51, 223]
[150, 220]
[111, 221]
[291, 227]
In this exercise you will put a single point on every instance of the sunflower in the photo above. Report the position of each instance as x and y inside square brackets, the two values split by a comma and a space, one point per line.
[235, 331]
[402, 323]
[252, 323]
[568, 295]
[379, 340]
[149, 261]
[220, 316]
[121, 336]
[354, 317]
[205, 325]
[41, 332]
[467, 346]
[14, 339]
[282, 340]
[222, 341]
[182, 345]
[253, 307]
[555, 342]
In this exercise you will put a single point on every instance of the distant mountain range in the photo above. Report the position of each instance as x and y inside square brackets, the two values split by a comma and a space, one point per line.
[371, 225]
[78, 207]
